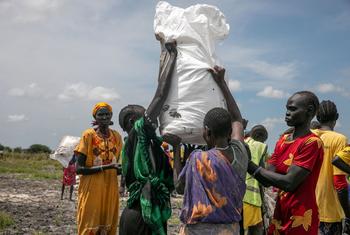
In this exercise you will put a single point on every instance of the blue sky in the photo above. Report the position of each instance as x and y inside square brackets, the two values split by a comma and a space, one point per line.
[59, 57]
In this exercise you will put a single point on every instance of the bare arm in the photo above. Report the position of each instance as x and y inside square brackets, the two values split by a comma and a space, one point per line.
[167, 66]
[288, 182]
[338, 162]
[179, 184]
[175, 141]
[83, 170]
[237, 126]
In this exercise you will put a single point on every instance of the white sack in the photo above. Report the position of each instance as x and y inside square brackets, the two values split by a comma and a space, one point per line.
[65, 150]
[193, 91]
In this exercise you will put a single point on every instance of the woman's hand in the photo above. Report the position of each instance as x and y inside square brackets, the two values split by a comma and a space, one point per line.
[171, 46]
[218, 74]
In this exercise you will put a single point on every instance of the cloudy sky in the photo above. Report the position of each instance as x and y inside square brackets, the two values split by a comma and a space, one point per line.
[59, 57]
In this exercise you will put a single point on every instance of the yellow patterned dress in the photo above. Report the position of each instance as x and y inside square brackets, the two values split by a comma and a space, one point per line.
[98, 196]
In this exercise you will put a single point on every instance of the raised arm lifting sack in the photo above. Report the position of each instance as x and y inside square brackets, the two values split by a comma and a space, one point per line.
[193, 91]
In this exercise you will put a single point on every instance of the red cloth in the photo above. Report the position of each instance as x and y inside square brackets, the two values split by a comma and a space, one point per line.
[296, 212]
[340, 182]
[69, 175]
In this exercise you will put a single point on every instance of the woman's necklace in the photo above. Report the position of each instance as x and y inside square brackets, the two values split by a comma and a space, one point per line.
[103, 135]
[224, 148]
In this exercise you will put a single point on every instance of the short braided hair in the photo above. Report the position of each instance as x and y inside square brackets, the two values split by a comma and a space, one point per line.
[327, 112]
[218, 120]
[310, 99]
[259, 133]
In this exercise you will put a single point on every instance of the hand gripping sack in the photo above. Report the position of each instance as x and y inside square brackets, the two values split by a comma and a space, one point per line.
[65, 150]
[193, 91]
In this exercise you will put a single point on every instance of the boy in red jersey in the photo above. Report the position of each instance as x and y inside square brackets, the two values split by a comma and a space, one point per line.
[294, 169]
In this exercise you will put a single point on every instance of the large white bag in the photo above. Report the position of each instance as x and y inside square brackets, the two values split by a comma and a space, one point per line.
[193, 91]
[65, 150]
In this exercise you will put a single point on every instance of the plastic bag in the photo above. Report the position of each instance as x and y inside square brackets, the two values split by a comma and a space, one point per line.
[65, 150]
[193, 91]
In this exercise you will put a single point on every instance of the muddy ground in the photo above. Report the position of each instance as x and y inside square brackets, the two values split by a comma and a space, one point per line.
[36, 207]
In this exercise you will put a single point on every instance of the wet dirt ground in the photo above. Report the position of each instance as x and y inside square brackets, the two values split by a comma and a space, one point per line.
[36, 207]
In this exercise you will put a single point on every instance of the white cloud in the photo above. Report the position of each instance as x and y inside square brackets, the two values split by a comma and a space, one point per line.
[270, 123]
[253, 59]
[329, 88]
[83, 91]
[234, 85]
[16, 118]
[29, 10]
[270, 92]
[16, 92]
[285, 71]
[32, 90]
[326, 88]
[102, 93]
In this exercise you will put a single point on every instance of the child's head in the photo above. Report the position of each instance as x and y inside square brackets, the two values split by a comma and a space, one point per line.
[327, 113]
[259, 133]
[301, 107]
[217, 124]
[128, 115]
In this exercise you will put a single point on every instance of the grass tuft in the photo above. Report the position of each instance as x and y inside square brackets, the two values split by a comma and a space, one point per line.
[5, 220]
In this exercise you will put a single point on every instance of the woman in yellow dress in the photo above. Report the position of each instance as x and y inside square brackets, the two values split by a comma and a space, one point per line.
[98, 195]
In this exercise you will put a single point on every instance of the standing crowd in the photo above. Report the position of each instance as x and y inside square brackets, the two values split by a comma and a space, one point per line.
[224, 183]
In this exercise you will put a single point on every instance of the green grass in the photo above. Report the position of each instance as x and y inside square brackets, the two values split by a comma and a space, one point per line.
[32, 166]
[5, 220]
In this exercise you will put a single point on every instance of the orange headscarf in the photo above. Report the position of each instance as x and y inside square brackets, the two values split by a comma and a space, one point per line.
[100, 105]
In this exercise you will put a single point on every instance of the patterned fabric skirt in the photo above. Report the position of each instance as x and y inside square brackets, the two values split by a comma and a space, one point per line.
[205, 228]
[330, 228]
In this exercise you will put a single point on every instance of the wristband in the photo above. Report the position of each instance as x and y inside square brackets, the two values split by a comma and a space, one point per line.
[257, 171]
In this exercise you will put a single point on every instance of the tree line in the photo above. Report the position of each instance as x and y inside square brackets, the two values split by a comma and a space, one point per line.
[34, 148]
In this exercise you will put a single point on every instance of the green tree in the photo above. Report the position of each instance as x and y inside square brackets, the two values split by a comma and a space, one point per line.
[1, 147]
[17, 150]
[39, 148]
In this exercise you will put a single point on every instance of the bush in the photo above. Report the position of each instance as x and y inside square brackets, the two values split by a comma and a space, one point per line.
[17, 150]
[39, 148]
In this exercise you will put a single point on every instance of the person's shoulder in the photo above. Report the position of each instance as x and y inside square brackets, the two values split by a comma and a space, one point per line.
[116, 133]
[344, 151]
[239, 145]
[313, 138]
[339, 135]
[240, 149]
[197, 153]
[89, 131]
[329, 134]
[251, 142]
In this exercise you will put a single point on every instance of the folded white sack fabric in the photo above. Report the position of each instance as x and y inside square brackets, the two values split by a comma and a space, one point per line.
[65, 150]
